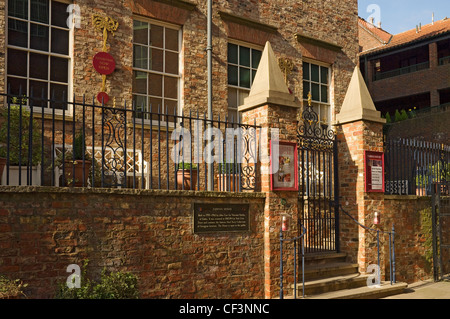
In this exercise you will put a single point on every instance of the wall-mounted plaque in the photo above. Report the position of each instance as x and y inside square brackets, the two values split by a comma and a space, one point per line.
[374, 172]
[221, 218]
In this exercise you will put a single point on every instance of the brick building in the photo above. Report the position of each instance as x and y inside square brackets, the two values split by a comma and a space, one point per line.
[406, 70]
[162, 43]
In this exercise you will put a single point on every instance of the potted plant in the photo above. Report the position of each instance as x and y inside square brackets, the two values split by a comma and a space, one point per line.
[184, 176]
[11, 289]
[228, 177]
[22, 154]
[76, 171]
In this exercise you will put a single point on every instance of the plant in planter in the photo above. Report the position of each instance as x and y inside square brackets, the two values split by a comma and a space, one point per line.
[21, 152]
[11, 289]
[228, 177]
[185, 178]
[112, 285]
[76, 172]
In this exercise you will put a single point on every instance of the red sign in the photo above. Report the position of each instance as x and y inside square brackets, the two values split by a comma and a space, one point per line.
[104, 63]
[103, 97]
[374, 172]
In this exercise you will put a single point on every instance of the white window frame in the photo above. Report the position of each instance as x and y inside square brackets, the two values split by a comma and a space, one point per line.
[318, 106]
[49, 54]
[163, 73]
[238, 88]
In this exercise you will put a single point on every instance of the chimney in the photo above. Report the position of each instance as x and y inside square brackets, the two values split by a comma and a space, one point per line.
[379, 24]
[432, 19]
[371, 20]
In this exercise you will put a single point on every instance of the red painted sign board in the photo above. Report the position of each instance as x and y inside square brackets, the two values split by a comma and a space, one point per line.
[374, 172]
[103, 97]
[104, 63]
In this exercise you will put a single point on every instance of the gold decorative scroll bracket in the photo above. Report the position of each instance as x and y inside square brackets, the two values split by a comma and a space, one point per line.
[286, 65]
[104, 24]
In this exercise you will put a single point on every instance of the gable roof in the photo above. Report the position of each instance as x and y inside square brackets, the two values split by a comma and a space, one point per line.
[381, 35]
[425, 32]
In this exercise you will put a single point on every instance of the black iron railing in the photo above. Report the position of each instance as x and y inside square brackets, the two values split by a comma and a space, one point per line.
[124, 146]
[413, 167]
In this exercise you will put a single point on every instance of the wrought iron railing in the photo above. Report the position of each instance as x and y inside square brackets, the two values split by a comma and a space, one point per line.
[391, 240]
[413, 167]
[123, 146]
[444, 60]
[400, 71]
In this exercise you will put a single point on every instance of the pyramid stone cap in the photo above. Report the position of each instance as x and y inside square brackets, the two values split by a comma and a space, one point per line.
[358, 104]
[269, 86]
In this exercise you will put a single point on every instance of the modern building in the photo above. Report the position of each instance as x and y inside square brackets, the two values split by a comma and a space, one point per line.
[407, 70]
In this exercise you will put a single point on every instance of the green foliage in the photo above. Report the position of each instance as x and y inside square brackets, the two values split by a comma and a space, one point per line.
[112, 285]
[227, 168]
[397, 116]
[403, 115]
[11, 288]
[388, 118]
[187, 166]
[19, 145]
[438, 172]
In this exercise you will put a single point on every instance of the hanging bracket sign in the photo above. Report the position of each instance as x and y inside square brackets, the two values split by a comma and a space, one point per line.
[374, 172]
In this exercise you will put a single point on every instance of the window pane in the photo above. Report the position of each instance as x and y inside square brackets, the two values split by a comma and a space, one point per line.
[314, 73]
[39, 66]
[306, 89]
[39, 37]
[242, 95]
[37, 87]
[17, 62]
[39, 11]
[324, 93]
[60, 95]
[140, 32]
[155, 104]
[256, 58]
[233, 75]
[141, 104]
[232, 98]
[18, 8]
[253, 75]
[155, 84]
[171, 62]
[156, 60]
[232, 115]
[59, 70]
[17, 86]
[171, 39]
[305, 71]
[170, 108]
[244, 56]
[59, 14]
[315, 91]
[244, 77]
[232, 53]
[323, 75]
[170, 87]
[140, 57]
[156, 36]
[17, 33]
[139, 82]
[60, 41]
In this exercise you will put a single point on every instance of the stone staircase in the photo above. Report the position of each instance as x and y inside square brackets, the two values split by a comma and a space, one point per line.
[329, 276]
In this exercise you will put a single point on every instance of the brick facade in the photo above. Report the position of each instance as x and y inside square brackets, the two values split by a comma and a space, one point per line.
[149, 233]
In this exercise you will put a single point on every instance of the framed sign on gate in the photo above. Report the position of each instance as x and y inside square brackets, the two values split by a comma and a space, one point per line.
[374, 172]
[284, 172]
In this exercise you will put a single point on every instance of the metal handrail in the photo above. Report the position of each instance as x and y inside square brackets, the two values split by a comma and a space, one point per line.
[391, 244]
[295, 261]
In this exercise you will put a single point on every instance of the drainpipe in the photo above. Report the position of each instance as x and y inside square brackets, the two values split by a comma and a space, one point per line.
[209, 53]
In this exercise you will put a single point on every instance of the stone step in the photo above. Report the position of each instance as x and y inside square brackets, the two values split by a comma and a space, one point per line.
[385, 290]
[319, 271]
[321, 286]
[324, 258]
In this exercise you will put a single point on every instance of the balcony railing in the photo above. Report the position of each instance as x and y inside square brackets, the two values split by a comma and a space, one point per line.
[122, 147]
[397, 72]
[444, 60]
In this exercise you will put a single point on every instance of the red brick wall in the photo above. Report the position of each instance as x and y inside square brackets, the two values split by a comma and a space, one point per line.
[43, 230]
[411, 216]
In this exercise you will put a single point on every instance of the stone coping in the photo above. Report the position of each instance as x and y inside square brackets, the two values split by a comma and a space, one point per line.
[127, 191]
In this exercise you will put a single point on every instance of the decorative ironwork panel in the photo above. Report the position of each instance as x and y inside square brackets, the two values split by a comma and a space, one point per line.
[249, 157]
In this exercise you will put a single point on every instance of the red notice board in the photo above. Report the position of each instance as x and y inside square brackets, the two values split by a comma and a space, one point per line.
[374, 172]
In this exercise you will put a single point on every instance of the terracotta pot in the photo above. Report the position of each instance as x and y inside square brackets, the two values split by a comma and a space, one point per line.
[77, 180]
[2, 166]
[224, 179]
[190, 182]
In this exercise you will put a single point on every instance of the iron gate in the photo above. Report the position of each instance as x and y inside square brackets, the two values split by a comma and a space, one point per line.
[318, 183]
